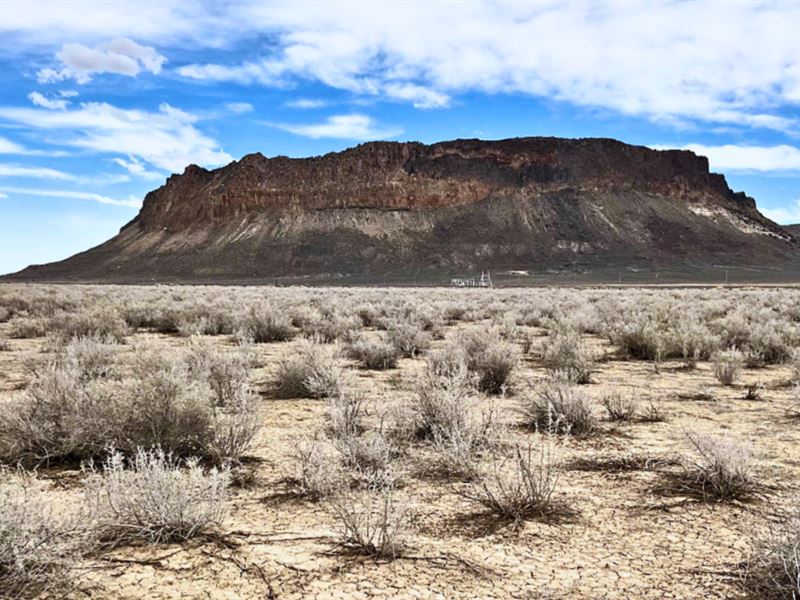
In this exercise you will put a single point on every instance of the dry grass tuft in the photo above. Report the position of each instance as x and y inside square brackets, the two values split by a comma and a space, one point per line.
[311, 371]
[39, 545]
[73, 410]
[565, 352]
[318, 469]
[560, 407]
[489, 356]
[727, 365]
[772, 570]
[371, 523]
[155, 498]
[523, 486]
[620, 408]
[721, 470]
[374, 354]
[408, 338]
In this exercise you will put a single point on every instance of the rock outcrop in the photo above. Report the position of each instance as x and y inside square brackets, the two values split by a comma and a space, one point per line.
[587, 208]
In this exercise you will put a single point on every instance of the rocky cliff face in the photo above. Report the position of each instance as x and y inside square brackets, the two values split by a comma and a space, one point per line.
[384, 209]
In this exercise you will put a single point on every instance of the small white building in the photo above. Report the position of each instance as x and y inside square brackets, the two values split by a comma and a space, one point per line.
[484, 281]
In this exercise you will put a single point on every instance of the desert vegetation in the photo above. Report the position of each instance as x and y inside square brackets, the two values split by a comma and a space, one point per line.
[295, 442]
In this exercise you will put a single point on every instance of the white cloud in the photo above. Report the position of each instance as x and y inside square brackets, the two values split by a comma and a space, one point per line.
[349, 127]
[121, 55]
[136, 167]
[306, 103]
[8, 170]
[55, 22]
[267, 73]
[239, 108]
[68, 93]
[3, 196]
[51, 104]
[129, 202]
[785, 216]
[421, 97]
[9, 147]
[731, 157]
[673, 62]
[166, 139]
[667, 61]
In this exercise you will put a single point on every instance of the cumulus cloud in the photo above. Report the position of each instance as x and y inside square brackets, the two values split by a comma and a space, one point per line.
[348, 127]
[167, 139]
[121, 55]
[419, 96]
[50, 103]
[129, 202]
[54, 21]
[667, 61]
[672, 62]
[731, 157]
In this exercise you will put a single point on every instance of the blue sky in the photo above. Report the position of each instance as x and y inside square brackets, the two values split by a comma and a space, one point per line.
[101, 101]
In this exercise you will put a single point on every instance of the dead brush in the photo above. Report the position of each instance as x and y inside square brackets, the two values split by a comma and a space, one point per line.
[754, 392]
[59, 416]
[311, 371]
[620, 408]
[371, 523]
[368, 459]
[318, 469]
[727, 365]
[442, 394]
[653, 412]
[233, 429]
[28, 327]
[461, 447]
[64, 415]
[772, 569]
[622, 463]
[522, 486]
[154, 497]
[263, 324]
[489, 356]
[92, 357]
[565, 351]
[720, 470]
[374, 354]
[39, 545]
[560, 407]
[793, 361]
[346, 414]
[227, 373]
[331, 327]
[409, 338]
[99, 321]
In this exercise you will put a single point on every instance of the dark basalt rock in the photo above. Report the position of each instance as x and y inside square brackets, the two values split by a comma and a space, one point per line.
[410, 211]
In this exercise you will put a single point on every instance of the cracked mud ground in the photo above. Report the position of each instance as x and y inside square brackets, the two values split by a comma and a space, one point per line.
[624, 538]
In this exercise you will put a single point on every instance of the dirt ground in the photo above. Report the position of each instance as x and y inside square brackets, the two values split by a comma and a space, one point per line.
[623, 537]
